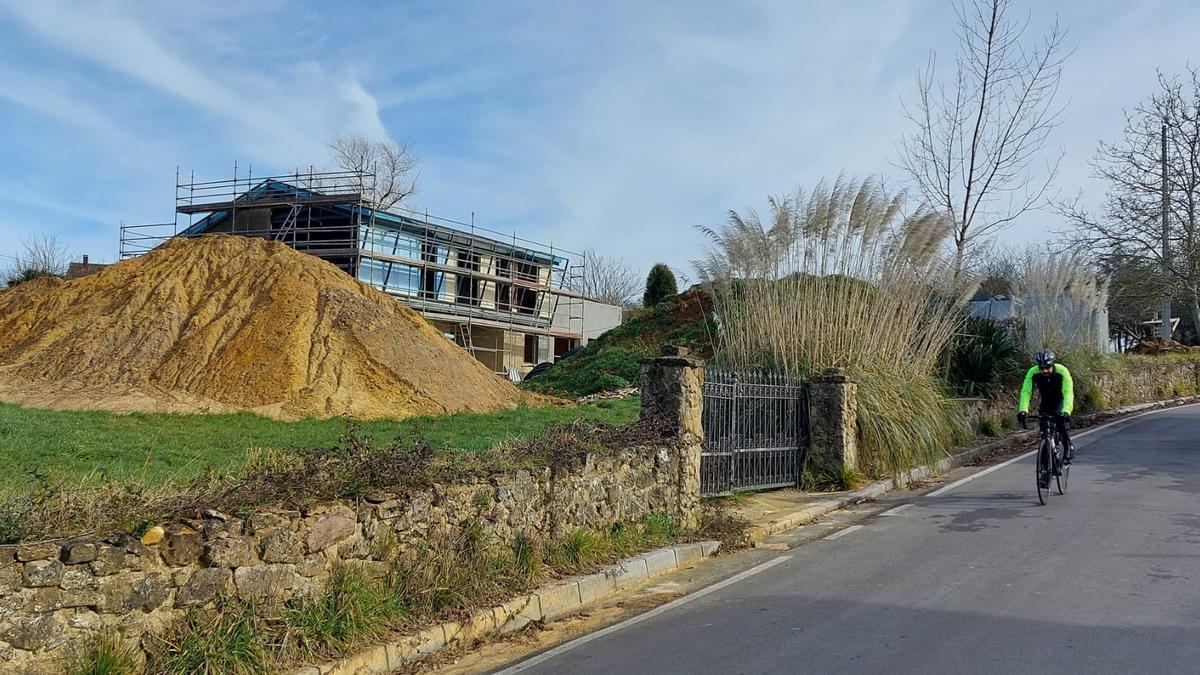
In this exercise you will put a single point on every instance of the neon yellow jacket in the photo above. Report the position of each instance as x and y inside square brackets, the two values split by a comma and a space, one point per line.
[1056, 389]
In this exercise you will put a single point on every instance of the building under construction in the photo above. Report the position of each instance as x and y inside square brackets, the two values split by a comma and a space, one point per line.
[506, 300]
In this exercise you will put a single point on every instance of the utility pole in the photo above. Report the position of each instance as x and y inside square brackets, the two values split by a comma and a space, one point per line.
[1166, 246]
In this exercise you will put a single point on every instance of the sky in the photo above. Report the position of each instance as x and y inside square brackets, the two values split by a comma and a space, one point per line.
[618, 126]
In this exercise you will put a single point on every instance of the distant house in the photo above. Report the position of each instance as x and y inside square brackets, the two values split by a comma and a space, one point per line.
[506, 300]
[1039, 319]
[84, 268]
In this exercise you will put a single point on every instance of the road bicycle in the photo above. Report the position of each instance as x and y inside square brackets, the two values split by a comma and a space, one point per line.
[1050, 458]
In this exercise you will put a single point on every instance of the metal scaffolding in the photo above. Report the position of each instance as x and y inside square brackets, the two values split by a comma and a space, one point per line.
[479, 286]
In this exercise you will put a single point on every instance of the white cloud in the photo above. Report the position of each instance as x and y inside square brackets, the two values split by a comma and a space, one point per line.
[282, 121]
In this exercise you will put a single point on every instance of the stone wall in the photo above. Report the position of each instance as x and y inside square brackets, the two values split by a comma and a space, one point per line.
[54, 593]
[1142, 380]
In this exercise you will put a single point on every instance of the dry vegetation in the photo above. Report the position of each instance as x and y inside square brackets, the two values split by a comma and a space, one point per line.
[840, 277]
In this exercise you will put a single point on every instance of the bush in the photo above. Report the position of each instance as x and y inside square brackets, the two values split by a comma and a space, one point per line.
[660, 285]
[984, 359]
[988, 427]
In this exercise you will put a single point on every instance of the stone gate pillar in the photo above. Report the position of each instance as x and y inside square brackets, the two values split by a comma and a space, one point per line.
[833, 421]
[672, 396]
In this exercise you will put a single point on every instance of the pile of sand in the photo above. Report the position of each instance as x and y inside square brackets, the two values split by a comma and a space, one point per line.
[225, 323]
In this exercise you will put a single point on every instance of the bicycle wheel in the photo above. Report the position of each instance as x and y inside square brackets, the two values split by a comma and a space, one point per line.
[1043, 469]
[1064, 472]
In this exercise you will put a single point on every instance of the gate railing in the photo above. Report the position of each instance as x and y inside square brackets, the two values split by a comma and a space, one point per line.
[755, 431]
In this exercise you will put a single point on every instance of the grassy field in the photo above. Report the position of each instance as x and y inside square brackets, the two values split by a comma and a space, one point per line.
[96, 447]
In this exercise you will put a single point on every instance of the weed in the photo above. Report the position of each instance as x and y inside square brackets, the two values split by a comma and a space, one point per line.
[577, 551]
[843, 479]
[658, 528]
[989, 427]
[351, 612]
[234, 640]
[526, 558]
[1007, 422]
[104, 654]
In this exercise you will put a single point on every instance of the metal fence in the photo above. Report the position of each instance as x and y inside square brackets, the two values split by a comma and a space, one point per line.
[755, 431]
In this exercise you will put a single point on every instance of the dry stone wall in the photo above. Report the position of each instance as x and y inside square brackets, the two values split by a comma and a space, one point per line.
[53, 594]
[1144, 381]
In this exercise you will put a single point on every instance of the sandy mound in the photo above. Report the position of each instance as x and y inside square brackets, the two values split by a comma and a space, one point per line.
[224, 323]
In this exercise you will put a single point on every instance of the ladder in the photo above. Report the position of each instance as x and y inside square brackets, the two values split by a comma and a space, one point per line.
[464, 337]
[288, 223]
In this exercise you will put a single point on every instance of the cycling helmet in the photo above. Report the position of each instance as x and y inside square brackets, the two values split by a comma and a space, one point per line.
[1044, 358]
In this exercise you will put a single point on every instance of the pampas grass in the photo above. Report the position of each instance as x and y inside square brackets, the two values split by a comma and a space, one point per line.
[842, 277]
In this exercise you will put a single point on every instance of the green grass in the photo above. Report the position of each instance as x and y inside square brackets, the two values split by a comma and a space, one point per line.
[98, 447]
[613, 360]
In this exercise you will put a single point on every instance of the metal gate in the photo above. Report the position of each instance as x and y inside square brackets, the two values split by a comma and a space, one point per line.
[755, 431]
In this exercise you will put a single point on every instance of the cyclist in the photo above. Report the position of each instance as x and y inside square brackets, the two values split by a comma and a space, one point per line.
[1056, 392]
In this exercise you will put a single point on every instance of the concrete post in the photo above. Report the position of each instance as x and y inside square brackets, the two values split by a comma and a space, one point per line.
[672, 396]
[833, 421]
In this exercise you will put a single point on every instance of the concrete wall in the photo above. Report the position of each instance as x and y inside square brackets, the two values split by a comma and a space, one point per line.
[598, 318]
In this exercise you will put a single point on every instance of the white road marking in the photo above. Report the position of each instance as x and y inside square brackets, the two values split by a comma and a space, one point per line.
[1031, 453]
[981, 474]
[897, 510]
[579, 642]
[842, 533]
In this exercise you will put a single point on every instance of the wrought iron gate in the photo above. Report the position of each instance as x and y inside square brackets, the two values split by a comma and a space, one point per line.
[755, 431]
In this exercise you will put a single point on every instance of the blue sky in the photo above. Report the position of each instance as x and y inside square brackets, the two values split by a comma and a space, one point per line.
[613, 125]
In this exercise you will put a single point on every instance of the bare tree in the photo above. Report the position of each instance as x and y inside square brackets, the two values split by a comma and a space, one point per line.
[607, 280]
[979, 134]
[393, 165]
[41, 255]
[1129, 224]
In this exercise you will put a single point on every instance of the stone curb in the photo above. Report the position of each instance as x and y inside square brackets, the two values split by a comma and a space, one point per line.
[544, 604]
[817, 509]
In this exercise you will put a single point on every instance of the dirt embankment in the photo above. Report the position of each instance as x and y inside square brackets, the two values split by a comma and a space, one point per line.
[225, 323]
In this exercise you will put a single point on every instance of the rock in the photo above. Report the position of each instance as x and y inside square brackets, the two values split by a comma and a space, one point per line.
[53, 599]
[227, 553]
[34, 632]
[42, 551]
[76, 552]
[215, 514]
[263, 581]
[205, 586]
[10, 579]
[78, 579]
[138, 556]
[330, 528]
[109, 560]
[85, 620]
[153, 535]
[258, 522]
[127, 592]
[39, 573]
[312, 566]
[181, 546]
[280, 546]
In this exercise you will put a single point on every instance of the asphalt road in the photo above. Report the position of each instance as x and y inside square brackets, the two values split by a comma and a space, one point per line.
[976, 579]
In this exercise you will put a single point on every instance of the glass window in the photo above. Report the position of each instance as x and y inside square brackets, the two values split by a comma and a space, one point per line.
[390, 276]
